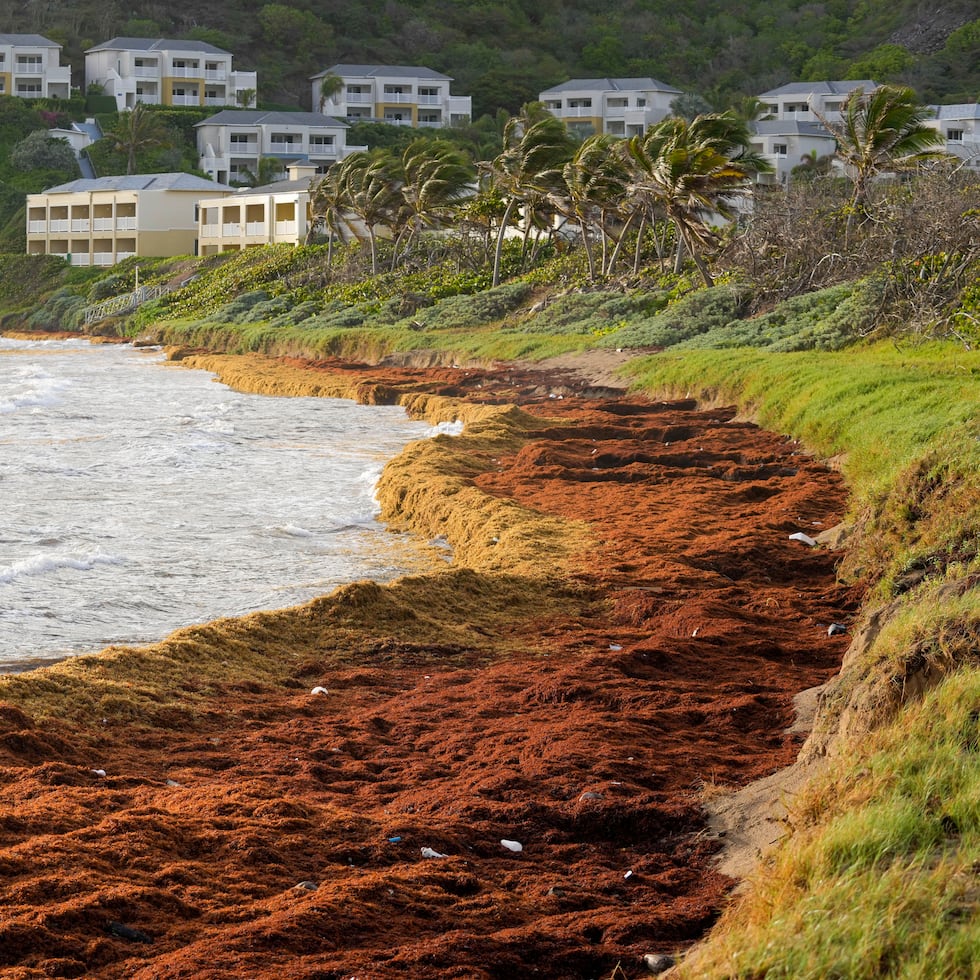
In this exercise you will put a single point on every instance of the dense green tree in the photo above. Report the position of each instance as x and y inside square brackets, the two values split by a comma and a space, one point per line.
[39, 151]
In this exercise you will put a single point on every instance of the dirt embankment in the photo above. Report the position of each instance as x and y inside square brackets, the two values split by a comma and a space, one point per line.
[551, 737]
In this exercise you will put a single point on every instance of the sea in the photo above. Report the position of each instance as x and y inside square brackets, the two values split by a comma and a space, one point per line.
[138, 496]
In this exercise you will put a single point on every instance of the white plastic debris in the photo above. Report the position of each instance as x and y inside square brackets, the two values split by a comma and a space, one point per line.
[98, 772]
[512, 845]
[428, 852]
[615, 646]
[319, 690]
[805, 538]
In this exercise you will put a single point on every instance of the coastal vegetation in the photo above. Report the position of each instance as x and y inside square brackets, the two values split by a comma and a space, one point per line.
[844, 314]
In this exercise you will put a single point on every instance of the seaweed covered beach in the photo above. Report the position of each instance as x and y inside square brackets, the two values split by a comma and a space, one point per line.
[496, 770]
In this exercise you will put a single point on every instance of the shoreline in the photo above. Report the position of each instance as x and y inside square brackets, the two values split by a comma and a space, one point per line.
[617, 620]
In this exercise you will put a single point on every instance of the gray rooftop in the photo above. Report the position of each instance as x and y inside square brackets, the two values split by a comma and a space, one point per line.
[140, 182]
[259, 117]
[820, 88]
[28, 40]
[156, 44]
[961, 110]
[790, 127]
[612, 85]
[382, 71]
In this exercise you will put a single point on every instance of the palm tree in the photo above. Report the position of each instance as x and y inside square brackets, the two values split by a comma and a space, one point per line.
[136, 132]
[330, 85]
[880, 132]
[369, 192]
[329, 208]
[594, 182]
[536, 146]
[433, 178]
[687, 172]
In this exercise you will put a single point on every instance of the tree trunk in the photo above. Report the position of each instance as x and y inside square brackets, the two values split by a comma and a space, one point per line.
[498, 252]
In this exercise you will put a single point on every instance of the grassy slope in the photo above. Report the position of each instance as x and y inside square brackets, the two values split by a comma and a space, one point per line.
[881, 877]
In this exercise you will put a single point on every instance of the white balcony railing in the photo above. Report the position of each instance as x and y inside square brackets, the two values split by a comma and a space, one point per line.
[185, 100]
[577, 111]
[400, 98]
[322, 150]
[430, 100]
[255, 228]
[286, 227]
[211, 231]
[102, 224]
[29, 68]
[80, 224]
[430, 124]
[216, 75]
[359, 98]
[37, 227]
[215, 100]
[126, 224]
[102, 258]
[124, 255]
[176, 72]
[231, 229]
[146, 71]
[80, 258]
[58, 224]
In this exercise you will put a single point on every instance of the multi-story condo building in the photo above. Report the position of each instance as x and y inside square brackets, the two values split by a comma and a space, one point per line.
[165, 72]
[102, 221]
[618, 106]
[784, 143]
[276, 214]
[231, 143]
[789, 127]
[403, 95]
[30, 69]
[960, 126]
[798, 100]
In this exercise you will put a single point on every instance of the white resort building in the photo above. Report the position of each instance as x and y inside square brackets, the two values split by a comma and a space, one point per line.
[157, 71]
[960, 126]
[232, 143]
[401, 95]
[102, 221]
[618, 106]
[276, 214]
[30, 69]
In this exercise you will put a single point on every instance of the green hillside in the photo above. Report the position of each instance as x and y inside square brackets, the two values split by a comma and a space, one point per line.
[503, 52]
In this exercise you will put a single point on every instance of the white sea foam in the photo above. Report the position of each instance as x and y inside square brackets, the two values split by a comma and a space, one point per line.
[221, 503]
[45, 564]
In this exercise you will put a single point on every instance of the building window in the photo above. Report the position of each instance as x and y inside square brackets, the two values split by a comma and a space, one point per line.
[240, 138]
[780, 149]
[641, 102]
[321, 141]
[955, 135]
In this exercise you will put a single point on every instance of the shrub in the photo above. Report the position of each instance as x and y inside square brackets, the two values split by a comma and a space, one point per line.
[694, 314]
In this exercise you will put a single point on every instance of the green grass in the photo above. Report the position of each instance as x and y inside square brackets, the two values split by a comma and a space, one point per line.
[882, 880]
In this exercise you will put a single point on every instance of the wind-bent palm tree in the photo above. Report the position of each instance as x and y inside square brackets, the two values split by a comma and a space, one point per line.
[369, 192]
[536, 146]
[433, 178]
[593, 184]
[688, 172]
[881, 132]
[137, 131]
[328, 207]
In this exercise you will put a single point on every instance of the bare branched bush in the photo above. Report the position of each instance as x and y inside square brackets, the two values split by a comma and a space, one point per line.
[921, 241]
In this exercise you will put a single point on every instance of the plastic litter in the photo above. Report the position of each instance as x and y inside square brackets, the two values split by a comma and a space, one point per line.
[428, 852]
[805, 538]
[512, 845]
